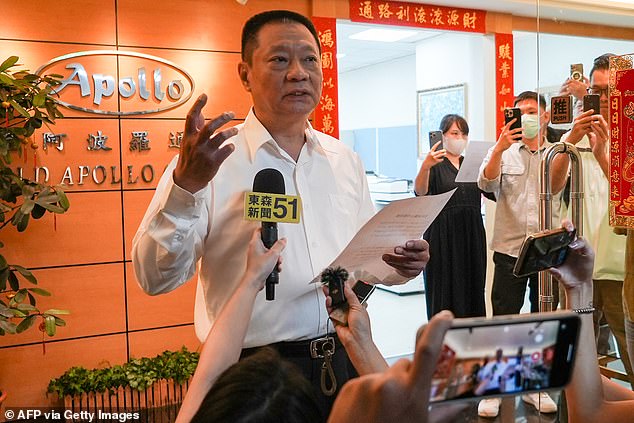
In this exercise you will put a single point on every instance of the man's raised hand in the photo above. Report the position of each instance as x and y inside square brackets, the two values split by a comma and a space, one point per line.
[201, 152]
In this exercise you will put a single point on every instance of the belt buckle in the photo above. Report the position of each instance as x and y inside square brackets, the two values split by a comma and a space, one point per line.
[318, 346]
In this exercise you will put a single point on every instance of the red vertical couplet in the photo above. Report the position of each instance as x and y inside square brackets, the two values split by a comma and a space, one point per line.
[327, 112]
[621, 104]
[504, 93]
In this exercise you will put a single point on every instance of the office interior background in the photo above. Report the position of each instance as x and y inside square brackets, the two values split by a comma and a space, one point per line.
[83, 256]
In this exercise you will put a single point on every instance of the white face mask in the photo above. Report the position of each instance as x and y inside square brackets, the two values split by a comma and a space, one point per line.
[530, 125]
[455, 145]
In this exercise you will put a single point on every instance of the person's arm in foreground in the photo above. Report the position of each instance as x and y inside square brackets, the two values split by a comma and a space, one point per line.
[586, 397]
[224, 343]
[401, 393]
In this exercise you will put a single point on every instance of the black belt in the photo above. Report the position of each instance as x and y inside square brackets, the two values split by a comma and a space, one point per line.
[308, 348]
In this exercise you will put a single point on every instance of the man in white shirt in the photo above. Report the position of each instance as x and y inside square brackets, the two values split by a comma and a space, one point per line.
[590, 134]
[195, 220]
[511, 171]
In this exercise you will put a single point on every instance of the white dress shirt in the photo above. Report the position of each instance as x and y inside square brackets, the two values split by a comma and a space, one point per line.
[517, 191]
[609, 248]
[206, 232]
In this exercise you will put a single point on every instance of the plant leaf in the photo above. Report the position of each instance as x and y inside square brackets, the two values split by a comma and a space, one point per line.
[26, 323]
[11, 61]
[59, 321]
[7, 326]
[19, 109]
[13, 281]
[26, 273]
[56, 311]
[40, 291]
[49, 325]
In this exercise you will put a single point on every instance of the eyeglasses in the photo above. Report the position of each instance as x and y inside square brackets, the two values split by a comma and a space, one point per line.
[599, 91]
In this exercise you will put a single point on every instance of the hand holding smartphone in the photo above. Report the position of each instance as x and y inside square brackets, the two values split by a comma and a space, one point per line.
[543, 250]
[362, 290]
[506, 355]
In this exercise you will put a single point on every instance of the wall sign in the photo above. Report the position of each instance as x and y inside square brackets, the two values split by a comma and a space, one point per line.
[119, 83]
[418, 15]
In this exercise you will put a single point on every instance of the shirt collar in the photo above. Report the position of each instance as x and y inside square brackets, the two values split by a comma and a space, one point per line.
[542, 147]
[256, 136]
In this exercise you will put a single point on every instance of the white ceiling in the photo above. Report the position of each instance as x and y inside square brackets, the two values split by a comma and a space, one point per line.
[360, 53]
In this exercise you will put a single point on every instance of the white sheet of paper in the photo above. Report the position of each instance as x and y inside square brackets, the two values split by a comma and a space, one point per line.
[396, 223]
[473, 157]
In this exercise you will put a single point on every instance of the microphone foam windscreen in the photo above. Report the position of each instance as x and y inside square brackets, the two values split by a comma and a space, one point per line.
[270, 181]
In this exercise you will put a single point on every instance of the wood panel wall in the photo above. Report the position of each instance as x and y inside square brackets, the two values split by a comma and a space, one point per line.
[84, 257]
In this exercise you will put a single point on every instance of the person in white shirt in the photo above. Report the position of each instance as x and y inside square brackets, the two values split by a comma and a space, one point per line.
[590, 134]
[511, 171]
[195, 220]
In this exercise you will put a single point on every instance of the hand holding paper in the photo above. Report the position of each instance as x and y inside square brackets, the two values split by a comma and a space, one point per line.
[387, 232]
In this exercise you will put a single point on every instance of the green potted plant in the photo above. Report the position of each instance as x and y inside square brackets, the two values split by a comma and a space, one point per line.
[25, 105]
[141, 383]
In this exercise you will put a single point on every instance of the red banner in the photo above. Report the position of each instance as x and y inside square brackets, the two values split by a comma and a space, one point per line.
[327, 112]
[621, 142]
[504, 94]
[418, 15]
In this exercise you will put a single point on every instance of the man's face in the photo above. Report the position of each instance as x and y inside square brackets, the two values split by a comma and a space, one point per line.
[599, 85]
[284, 77]
[531, 107]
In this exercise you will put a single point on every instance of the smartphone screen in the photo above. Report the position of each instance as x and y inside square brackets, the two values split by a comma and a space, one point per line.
[513, 113]
[542, 251]
[507, 356]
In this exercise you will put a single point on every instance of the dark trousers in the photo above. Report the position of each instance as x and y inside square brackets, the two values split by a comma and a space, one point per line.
[298, 353]
[507, 294]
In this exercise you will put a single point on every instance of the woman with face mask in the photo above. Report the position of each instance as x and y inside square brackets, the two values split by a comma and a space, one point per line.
[455, 274]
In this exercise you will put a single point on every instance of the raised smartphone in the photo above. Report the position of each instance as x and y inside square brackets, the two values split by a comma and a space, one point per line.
[543, 250]
[434, 137]
[592, 101]
[513, 113]
[506, 355]
[576, 71]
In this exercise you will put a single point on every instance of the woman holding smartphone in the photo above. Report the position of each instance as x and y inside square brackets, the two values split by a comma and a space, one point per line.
[455, 274]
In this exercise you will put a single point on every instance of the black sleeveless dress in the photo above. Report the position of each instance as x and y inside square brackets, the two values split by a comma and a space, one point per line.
[456, 272]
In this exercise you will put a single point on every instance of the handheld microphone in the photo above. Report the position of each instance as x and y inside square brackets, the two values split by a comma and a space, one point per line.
[270, 181]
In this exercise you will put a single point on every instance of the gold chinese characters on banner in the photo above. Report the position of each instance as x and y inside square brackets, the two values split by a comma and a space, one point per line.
[621, 103]
[327, 114]
[418, 15]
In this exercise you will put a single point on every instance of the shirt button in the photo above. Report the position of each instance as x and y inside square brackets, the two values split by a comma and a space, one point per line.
[178, 237]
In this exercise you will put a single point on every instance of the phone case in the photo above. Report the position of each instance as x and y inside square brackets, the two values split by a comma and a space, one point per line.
[576, 71]
[434, 137]
[513, 113]
[592, 101]
[543, 250]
